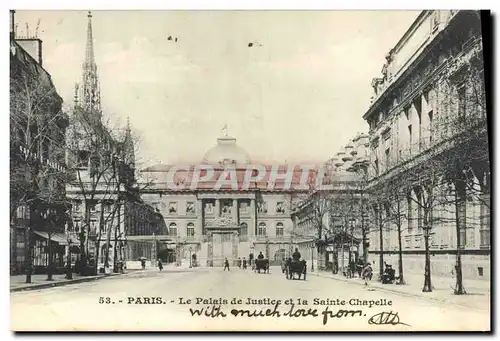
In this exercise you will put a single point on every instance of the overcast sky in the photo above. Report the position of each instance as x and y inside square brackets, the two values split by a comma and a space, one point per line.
[298, 94]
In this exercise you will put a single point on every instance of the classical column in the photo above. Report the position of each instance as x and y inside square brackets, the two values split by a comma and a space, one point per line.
[199, 218]
[217, 208]
[235, 211]
[253, 226]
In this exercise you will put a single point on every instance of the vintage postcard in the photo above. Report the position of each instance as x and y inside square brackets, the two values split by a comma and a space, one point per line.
[247, 170]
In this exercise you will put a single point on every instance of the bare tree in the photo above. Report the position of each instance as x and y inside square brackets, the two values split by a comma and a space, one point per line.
[37, 172]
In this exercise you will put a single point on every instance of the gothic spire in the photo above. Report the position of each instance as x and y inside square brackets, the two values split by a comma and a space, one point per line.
[129, 146]
[91, 97]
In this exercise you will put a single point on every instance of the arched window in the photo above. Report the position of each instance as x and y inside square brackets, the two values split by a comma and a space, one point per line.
[262, 231]
[172, 229]
[190, 231]
[280, 230]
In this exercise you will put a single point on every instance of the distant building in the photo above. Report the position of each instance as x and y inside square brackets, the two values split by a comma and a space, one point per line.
[105, 204]
[428, 133]
[37, 163]
[226, 222]
[331, 226]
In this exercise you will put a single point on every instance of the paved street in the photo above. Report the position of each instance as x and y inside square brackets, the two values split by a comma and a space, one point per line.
[77, 307]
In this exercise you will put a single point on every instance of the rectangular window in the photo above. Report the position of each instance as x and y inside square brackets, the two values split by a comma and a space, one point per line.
[77, 206]
[410, 214]
[77, 225]
[93, 225]
[484, 230]
[280, 207]
[262, 207]
[190, 232]
[172, 208]
[190, 208]
[461, 103]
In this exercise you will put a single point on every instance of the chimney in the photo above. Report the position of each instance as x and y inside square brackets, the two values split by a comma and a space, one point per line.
[12, 24]
[33, 46]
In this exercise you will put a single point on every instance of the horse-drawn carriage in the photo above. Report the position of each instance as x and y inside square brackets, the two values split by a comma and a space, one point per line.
[295, 267]
[261, 264]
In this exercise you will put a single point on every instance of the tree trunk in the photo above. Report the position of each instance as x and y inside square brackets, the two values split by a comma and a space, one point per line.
[459, 287]
[381, 240]
[400, 247]
[427, 269]
[29, 258]
[49, 256]
[69, 274]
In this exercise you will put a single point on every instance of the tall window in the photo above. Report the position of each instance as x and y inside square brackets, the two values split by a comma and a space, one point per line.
[410, 213]
[262, 231]
[280, 230]
[172, 208]
[172, 229]
[77, 225]
[280, 207]
[93, 225]
[77, 206]
[243, 230]
[461, 103]
[190, 231]
[484, 229]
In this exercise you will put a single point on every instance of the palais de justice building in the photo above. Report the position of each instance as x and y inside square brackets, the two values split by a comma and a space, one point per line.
[228, 222]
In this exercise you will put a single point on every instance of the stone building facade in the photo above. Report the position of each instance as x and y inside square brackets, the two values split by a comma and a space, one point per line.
[331, 225]
[106, 208]
[428, 134]
[37, 160]
[227, 222]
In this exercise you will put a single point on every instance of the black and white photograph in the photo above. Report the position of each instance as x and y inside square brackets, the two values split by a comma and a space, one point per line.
[250, 170]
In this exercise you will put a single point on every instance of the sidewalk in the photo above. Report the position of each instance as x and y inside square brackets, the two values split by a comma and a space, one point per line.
[18, 282]
[477, 297]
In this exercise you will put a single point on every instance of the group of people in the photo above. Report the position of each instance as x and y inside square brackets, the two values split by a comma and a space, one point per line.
[242, 263]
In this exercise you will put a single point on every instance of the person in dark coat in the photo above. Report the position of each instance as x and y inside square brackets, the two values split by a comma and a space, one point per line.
[160, 265]
[226, 265]
[244, 263]
[260, 256]
[296, 255]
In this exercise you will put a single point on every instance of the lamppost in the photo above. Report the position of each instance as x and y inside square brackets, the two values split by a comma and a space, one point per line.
[69, 274]
[47, 217]
[190, 259]
[312, 257]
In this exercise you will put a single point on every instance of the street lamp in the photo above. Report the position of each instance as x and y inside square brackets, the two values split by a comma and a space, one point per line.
[47, 217]
[190, 259]
[312, 257]
[69, 274]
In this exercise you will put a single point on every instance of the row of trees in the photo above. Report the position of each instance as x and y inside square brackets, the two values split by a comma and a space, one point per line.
[429, 188]
[59, 159]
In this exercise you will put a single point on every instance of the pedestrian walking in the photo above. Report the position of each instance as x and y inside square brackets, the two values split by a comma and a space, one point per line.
[226, 265]
[244, 263]
[160, 265]
[367, 274]
[239, 262]
[143, 264]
